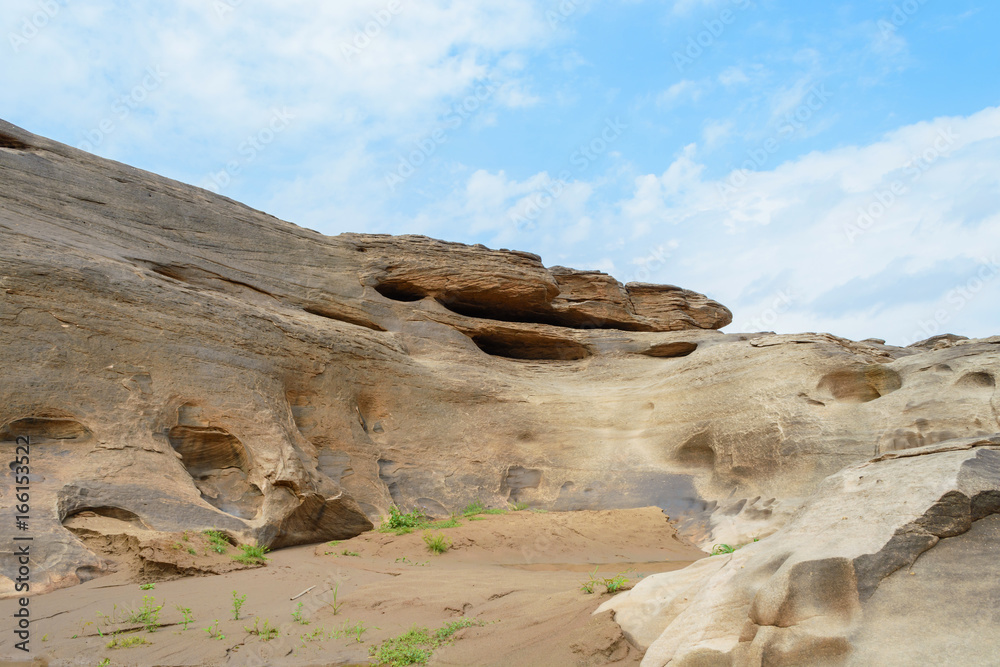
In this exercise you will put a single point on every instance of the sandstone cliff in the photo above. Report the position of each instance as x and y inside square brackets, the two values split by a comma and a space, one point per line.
[181, 361]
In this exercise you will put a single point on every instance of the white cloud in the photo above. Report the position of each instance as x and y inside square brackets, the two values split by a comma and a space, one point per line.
[680, 92]
[732, 76]
[716, 131]
[927, 195]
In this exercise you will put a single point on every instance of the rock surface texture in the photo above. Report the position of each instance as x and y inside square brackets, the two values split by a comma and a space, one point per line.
[841, 582]
[181, 362]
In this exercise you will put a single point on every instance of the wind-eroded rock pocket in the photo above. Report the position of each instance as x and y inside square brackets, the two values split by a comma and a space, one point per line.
[860, 384]
[218, 463]
[42, 429]
[12, 142]
[529, 345]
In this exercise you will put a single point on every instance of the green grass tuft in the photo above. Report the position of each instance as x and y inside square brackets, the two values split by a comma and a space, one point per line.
[264, 632]
[437, 543]
[127, 642]
[219, 541]
[453, 522]
[401, 523]
[252, 554]
[720, 549]
[416, 646]
[474, 508]
[611, 584]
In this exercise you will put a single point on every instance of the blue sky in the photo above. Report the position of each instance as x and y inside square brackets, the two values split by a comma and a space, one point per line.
[814, 166]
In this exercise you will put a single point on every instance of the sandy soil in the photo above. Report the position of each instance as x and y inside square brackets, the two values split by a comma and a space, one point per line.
[518, 574]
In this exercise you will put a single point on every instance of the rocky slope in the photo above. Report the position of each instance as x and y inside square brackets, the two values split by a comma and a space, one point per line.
[181, 361]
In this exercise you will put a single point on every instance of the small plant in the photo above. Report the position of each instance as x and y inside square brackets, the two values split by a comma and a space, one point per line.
[720, 549]
[218, 540]
[185, 536]
[437, 543]
[615, 583]
[518, 507]
[214, 632]
[45, 637]
[334, 605]
[334, 543]
[188, 618]
[104, 663]
[128, 642]
[297, 616]
[176, 546]
[192, 551]
[345, 552]
[444, 633]
[252, 554]
[611, 584]
[453, 522]
[407, 561]
[401, 523]
[264, 632]
[146, 587]
[474, 508]
[148, 614]
[238, 602]
[416, 646]
[314, 636]
[355, 630]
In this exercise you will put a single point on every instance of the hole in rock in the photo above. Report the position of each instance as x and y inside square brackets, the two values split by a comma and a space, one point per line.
[697, 451]
[670, 350]
[44, 428]
[977, 379]
[342, 317]
[109, 512]
[218, 463]
[860, 385]
[519, 478]
[530, 345]
[10, 141]
[400, 291]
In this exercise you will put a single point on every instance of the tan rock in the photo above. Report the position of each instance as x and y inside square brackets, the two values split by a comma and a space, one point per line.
[809, 593]
[198, 364]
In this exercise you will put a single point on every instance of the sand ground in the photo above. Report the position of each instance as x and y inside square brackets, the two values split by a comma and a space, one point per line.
[516, 574]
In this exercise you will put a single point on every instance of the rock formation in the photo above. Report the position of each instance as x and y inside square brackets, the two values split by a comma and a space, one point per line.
[181, 362]
[840, 583]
